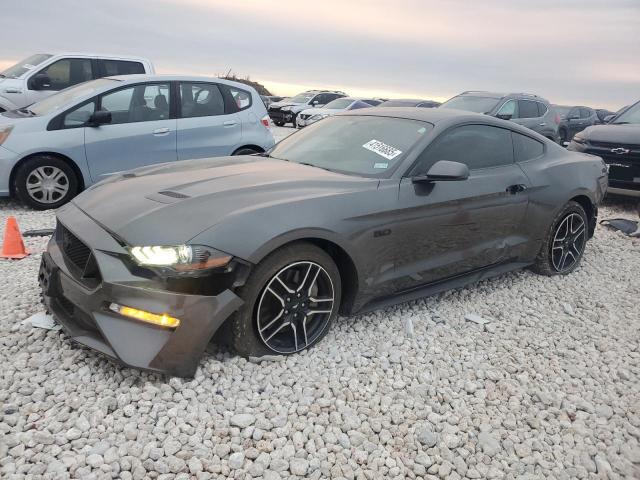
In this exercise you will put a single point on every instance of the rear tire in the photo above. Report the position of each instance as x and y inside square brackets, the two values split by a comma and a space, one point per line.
[563, 136]
[45, 182]
[279, 124]
[564, 245]
[274, 320]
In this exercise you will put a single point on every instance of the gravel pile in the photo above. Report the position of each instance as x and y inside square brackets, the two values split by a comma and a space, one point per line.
[549, 388]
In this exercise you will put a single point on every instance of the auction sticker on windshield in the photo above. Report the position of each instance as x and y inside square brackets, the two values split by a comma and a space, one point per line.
[382, 149]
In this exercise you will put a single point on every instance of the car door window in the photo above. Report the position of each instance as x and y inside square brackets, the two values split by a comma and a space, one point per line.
[200, 100]
[508, 109]
[67, 72]
[585, 113]
[140, 103]
[477, 146]
[527, 109]
[573, 114]
[79, 116]
[108, 68]
[526, 148]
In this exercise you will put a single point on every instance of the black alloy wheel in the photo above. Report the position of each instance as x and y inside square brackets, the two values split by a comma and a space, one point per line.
[569, 242]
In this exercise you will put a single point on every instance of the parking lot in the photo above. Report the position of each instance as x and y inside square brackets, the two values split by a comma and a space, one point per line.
[548, 389]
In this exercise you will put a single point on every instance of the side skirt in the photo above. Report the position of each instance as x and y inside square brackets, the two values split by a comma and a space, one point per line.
[450, 283]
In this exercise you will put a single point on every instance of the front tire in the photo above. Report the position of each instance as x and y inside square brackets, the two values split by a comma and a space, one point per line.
[246, 151]
[563, 136]
[564, 245]
[290, 300]
[45, 182]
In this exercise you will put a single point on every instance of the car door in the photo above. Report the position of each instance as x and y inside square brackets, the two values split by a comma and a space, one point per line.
[452, 227]
[142, 130]
[62, 74]
[574, 122]
[207, 123]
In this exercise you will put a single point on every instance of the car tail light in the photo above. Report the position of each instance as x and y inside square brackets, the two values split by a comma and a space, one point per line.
[266, 121]
[557, 119]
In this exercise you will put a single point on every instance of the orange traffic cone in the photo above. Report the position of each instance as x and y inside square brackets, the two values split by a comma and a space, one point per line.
[13, 245]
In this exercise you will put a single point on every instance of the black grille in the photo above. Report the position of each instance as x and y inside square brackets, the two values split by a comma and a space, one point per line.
[76, 251]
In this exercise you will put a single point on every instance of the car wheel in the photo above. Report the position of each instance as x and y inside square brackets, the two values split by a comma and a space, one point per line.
[563, 136]
[564, 245]
[279, 124]
[45, 182]
[290, 300]
[246, 151]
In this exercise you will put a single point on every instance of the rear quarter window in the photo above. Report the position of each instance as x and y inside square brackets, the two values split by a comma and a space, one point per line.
[526, 148]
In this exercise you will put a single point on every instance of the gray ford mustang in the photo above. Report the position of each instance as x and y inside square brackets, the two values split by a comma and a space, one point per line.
[356, 212]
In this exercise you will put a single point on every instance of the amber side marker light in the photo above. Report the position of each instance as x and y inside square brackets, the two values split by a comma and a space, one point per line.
[162, 320]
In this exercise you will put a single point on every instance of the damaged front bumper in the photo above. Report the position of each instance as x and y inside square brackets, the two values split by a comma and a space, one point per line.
[85, 270]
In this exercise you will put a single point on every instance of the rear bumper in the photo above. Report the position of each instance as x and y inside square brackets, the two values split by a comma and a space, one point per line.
[629, 192]
[81, 307]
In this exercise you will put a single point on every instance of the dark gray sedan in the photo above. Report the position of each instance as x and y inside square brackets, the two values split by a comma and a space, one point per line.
[356, 212]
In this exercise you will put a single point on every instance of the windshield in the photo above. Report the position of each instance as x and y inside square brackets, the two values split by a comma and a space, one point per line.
[472, 103]
[339, 103]
[631, 115]
[562, 110]
[25, 65]
[302, 98]
[354, 145]
[68, 95]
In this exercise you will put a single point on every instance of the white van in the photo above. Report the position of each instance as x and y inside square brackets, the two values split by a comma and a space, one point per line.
[44, 74]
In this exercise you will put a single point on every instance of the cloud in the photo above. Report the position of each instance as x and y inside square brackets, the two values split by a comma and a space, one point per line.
[570, 52]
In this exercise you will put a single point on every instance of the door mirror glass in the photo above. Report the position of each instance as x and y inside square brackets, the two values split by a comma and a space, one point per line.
[41, 81]
[444, 170]
[505, 116]
[101, 117]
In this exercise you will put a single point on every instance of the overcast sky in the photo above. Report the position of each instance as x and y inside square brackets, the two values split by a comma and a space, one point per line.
[569, 51]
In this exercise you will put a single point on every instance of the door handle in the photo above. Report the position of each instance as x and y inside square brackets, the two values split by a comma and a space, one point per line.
[230, 123]
[513, 189]
[542, 124]
[161, 131]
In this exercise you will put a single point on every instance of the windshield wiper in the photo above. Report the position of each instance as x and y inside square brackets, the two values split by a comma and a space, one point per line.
[620, 123]
[312, 165]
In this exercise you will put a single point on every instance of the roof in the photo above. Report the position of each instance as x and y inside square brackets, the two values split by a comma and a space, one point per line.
[174, 77]
[483, 93]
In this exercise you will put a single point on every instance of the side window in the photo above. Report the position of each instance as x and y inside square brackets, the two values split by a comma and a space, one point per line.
[477, 146]
[319, 99]
[507, 110]
[200, 100]
[526, 148]
[585, 113]
[108, 68]
[542, 109]
[527, 109]
[242, 98]
[140, 103]
[79, 116]
[573, 113]
[68, 72]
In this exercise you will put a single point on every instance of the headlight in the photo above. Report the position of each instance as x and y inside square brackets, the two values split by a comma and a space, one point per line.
[578, 139]
[181, 257]
[4, 133]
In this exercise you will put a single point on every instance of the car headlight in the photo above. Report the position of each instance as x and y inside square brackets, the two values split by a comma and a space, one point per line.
[4, 133]
[579, 139]
[181, 257]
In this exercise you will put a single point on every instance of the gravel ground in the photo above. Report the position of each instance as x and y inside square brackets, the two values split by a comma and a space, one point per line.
[549, 389]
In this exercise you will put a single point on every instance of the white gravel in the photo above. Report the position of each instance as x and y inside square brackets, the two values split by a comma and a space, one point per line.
[551, 390]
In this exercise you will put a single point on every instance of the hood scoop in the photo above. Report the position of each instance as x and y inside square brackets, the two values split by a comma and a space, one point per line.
[167, 196]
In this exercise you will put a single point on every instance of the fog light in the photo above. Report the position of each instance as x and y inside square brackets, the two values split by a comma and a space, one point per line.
[162, 320]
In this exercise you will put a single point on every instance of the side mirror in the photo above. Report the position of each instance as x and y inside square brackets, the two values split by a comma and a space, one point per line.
[315, 103]
[444, 170]
[41, 81]
[99, 117]
[504, 116]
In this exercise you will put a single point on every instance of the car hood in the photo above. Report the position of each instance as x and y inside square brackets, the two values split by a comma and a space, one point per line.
[623, 134]
[171, 203]
[322, 111]
[284, 104]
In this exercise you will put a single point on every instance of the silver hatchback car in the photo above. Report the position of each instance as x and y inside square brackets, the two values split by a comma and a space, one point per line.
[53, 149]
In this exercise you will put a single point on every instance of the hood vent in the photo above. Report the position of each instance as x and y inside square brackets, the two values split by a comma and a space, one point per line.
[171, 194]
